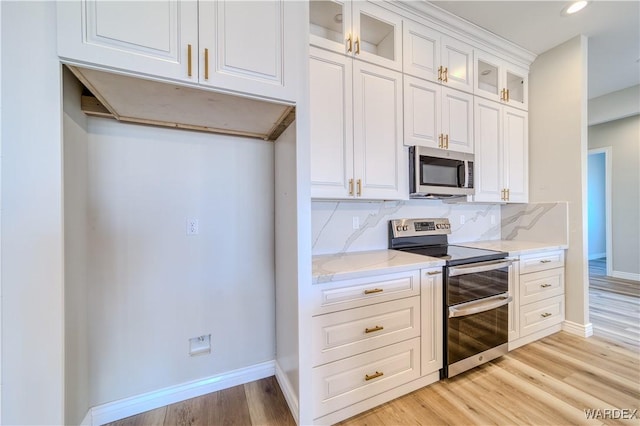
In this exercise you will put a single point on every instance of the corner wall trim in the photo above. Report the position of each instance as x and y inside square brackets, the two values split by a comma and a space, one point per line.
[582, 330]
[112, 411]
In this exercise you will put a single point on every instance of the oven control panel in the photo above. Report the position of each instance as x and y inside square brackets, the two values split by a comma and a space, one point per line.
[417, 227]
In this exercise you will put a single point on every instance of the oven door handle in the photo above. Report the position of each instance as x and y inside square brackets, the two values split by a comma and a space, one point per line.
[479, 267]
[478, 306]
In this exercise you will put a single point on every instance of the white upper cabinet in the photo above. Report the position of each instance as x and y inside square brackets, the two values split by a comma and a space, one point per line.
[436, 116]
[433, 56]
[501, 81]
[501, 153]
[149, 37]
[356, 129]
[233, 46]
[359, 29]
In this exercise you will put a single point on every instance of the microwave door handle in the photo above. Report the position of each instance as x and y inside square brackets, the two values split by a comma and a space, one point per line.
[478, 306]
[466, 174]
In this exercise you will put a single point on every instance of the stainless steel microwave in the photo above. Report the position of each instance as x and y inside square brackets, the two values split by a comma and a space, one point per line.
[437, 173]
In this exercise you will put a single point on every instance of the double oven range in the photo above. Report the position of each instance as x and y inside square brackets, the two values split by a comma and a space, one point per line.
[476, 292]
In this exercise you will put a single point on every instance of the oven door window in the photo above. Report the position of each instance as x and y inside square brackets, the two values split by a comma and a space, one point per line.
[441, 172]
[472, 334]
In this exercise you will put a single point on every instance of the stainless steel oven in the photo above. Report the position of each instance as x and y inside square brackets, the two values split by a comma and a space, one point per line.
[476, 292]
[476, 315]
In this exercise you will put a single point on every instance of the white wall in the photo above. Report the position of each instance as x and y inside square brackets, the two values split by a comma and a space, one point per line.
[32, 236]
[558, 154]
[76, 179]
[623, 136]
[597, 206]
[333, 231]
[151, 287]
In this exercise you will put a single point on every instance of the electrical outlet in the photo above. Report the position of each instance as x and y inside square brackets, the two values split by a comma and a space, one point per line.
[356, 222]
[462, 219]
[192, 226]
[200, 345]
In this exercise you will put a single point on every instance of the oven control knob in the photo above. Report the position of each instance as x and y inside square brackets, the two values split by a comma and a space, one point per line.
[398, 228]
[438, 226]
[405, 228]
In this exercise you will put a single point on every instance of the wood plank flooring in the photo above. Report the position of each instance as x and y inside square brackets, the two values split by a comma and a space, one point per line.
[549, 382]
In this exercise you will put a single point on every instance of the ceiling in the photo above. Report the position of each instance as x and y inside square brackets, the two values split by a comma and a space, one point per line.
[613, 28]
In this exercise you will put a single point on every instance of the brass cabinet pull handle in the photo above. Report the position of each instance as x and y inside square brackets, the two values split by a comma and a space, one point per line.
[545, 261]
[503, 95]
[545, 285]
[374, 290]
[374, 329]
[446, 74]
[434, 272]
[206, 63]
[440, 73]
[357, 45]
[189, 60]
[545, 315]
[441, 141]
[446, 141]
[350, 186]
[503, 195]
[373, 376]
[507, 194]
[359, 187]
[508, 98]
[349, 44]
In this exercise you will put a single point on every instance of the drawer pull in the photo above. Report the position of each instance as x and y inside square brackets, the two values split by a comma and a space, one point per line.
[545, 315]
[374, 290]
[371, 330]
[545, 261]
[434, 272]
[545, 285]
[373, 376]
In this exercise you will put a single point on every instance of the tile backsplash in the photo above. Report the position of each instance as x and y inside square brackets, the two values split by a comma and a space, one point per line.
[333, 222]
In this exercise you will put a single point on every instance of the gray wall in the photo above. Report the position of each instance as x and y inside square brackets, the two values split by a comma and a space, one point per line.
[558, 154]
[623, 136]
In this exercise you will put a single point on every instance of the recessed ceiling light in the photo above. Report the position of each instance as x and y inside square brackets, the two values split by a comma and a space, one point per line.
[574, 7]
[338, 18]
[486, 72]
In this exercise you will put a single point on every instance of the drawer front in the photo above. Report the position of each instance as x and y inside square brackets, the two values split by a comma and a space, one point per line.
[347, 294]
[540, 315]
[346, 333]
[345, 382]
[541, 261]
[541, 285]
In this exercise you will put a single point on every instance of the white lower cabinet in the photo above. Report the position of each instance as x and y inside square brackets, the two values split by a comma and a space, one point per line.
[374, 339]
[539, 310]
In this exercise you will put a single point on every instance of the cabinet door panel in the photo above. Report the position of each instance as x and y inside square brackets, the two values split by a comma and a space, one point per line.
[378, 148]
[488, 157]
[516, 155]
[421, 51]
[457, 119]
[421, 112]
[246, 45]
[457, 57]
[330, 124]
[149, 37]
[379, 34]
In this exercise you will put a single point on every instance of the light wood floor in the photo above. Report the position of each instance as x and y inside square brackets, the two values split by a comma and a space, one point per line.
[549, 382]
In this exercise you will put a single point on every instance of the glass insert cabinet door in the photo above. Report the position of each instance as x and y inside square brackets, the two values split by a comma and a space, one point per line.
[500, 81]
[359, 29]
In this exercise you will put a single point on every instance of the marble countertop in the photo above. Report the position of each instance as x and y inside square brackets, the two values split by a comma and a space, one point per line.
[332, 267]
[515, 248]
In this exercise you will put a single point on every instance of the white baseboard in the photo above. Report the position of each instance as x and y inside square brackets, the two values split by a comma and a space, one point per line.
[582, 330]
[597, 256]
[625, 275]
[126, 407]
[288, 392]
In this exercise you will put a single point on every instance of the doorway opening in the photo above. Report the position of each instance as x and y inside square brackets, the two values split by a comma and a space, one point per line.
[599, 208]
